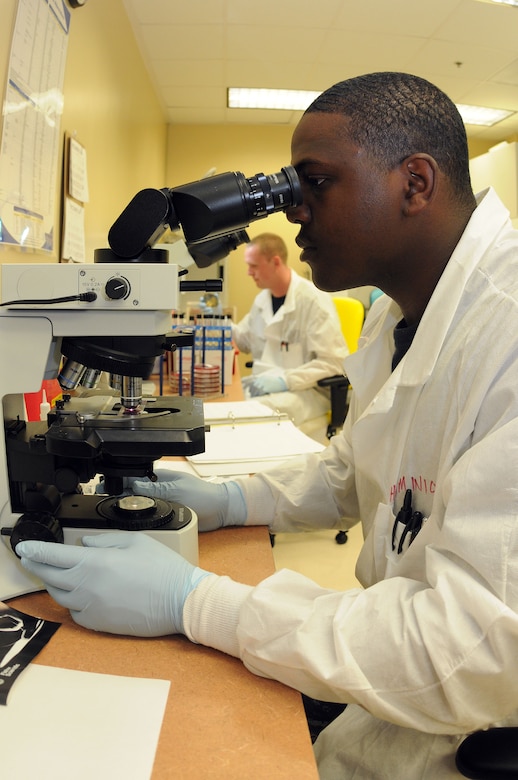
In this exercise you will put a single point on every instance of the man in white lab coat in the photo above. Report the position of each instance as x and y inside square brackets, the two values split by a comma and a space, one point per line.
[427, 461]
[292, 332]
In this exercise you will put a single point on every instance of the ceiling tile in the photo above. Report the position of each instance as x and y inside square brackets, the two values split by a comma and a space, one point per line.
[482, 24]
[477, 62]
[175, 12]
[285, 13]
[175, 42]
[269, 75]
[397, 17]
[263, 43]
[508, 75]
[366, 52]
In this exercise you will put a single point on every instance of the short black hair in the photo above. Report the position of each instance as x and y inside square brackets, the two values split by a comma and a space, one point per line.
[394, 115]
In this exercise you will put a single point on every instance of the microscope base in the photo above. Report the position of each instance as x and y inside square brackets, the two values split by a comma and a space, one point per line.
[170, 523]
[183, 541]
[89, 514]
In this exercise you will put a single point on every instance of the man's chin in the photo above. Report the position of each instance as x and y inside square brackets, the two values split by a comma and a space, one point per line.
[323, 283]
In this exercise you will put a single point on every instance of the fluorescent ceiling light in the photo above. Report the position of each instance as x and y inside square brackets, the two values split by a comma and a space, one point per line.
[287, 99]
[479, 115]
[299, 100]
[514, 3]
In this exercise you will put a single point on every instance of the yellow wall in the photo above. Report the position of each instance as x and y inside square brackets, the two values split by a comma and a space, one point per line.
[111, 105]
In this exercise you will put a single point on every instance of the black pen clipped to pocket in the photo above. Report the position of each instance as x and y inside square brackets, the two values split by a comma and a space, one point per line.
[410, 521]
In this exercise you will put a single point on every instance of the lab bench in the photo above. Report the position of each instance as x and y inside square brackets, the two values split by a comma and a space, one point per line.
[221, 721]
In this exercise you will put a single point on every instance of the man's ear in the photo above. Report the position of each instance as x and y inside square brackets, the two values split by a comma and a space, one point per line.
[420, 173]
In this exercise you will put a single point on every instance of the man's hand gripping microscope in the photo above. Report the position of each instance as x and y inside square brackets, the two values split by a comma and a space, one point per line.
[110, 320]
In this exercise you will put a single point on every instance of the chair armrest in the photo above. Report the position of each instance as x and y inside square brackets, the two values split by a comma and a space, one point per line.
[338, 380]
[489, 755]
[338, 386]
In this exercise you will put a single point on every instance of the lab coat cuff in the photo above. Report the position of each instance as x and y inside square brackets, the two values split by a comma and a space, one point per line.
[259, 500]
[211, 613]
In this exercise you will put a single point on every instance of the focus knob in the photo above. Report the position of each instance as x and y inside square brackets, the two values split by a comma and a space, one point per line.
[117, 288]
[36, 525]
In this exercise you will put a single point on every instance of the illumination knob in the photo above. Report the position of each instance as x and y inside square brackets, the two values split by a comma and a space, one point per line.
[117, 288]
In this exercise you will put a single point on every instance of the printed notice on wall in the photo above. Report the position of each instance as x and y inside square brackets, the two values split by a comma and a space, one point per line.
[31, 142]
[77, 171]
[73, 231]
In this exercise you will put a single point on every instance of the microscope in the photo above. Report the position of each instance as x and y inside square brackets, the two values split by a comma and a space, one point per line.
[99, 329]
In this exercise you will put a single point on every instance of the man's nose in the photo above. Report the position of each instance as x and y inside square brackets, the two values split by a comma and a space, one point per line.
[298, 214]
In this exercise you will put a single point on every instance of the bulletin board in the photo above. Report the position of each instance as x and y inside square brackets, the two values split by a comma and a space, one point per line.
[31, 141]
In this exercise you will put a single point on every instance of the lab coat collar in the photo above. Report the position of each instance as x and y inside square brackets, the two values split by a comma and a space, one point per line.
[264, 298]
[486, 222]
[263, 302]
[289, 303]
[369, 367]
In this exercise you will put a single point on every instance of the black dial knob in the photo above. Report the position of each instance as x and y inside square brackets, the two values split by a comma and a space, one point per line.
[36, 525]
[117, 288]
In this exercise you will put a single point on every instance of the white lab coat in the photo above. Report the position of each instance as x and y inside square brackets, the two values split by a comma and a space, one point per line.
[427, 652]
[302, 343]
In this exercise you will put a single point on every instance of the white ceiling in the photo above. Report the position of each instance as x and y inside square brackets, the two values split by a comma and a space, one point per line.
[195, 49]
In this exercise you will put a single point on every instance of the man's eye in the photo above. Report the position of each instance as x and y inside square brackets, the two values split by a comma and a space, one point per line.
[316, 181]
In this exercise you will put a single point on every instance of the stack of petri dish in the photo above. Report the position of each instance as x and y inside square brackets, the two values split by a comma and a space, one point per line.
[207, 380]
[175, 383]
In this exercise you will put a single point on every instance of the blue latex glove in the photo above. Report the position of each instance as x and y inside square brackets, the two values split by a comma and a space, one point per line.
[216, 504]
[123, 582]
[264, 384]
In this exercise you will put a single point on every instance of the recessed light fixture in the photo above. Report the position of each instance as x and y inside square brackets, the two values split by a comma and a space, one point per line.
[299, 100]
[287, 99]
[480, 115]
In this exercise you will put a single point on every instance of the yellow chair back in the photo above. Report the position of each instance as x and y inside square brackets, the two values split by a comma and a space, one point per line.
[351, 313]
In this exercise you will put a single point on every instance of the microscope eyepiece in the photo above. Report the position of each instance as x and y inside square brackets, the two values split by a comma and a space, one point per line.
[230, 202]
[205, 209]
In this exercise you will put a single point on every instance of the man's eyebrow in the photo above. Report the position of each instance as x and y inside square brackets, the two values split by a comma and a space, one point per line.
[304, 163]
[301, 165]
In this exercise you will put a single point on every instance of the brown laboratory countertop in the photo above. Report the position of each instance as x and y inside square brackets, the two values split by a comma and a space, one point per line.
[221, 721]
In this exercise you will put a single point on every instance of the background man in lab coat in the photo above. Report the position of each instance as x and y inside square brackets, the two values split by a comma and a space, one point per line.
[427, 461]
[292, 332]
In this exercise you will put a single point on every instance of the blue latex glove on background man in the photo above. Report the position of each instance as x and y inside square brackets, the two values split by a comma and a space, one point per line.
[123, 582]
[216, 504]
[264, 384]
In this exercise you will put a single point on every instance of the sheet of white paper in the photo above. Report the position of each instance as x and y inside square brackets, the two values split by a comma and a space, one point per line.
[60, 724]
[74, 232]
[77, 174]
[245, 448]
